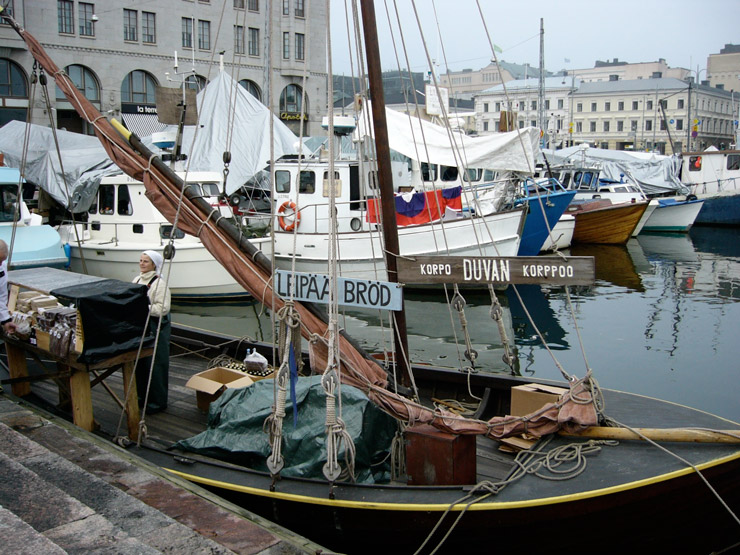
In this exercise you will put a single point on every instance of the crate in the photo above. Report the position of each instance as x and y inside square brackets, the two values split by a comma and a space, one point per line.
[436, 458]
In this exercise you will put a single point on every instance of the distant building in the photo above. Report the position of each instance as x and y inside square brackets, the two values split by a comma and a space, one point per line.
[117, 53]
[468, 82]
[723, 69]
[616, 114]
[617, 70]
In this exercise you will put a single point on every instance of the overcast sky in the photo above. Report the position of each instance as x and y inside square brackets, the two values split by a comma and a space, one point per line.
[684, 32]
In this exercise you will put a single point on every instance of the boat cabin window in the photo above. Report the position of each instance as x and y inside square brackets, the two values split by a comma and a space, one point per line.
[565, 179]
[449, 173]
[695, 164]
[124, 201]
[211, 189]
[307, 183]
[733, 161]
[9, 198]
[489, 175]
[472, 174]
[337, 185]
[282, 181]
[584, 179]
[106, 199]
[428, 171]
[372, 182]
[165, 232]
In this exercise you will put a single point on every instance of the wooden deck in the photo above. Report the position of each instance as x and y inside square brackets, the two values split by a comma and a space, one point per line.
[183, 418]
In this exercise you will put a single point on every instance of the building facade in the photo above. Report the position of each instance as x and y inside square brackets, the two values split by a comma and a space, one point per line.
[616, 70]
[468, 81]
[665, 115]
[118, 53]
[723, 69]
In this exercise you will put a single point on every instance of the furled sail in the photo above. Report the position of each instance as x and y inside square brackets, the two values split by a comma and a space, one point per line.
[251, 269]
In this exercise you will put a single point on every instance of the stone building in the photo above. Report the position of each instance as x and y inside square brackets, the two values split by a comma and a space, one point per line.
[117, 53]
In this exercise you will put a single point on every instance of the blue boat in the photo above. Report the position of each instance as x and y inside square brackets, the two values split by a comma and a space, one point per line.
[547, 202]
[31, 244]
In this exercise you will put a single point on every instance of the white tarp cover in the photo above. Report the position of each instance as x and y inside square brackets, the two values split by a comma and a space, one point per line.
[222, 105]
[655, 173]
[427, 142]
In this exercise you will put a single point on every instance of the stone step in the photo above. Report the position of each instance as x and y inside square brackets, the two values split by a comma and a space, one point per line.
[64, 490]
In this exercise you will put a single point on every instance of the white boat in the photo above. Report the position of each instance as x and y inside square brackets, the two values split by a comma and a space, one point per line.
[122, 223]
[674, 215]
[31, 243]
[562, 234]
[301, 226]
[714, 177]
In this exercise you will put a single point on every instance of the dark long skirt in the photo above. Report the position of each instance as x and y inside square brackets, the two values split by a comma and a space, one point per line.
[158, 388]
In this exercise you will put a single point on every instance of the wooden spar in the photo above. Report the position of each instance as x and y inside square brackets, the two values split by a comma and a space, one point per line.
[685, 435]
[385, 178]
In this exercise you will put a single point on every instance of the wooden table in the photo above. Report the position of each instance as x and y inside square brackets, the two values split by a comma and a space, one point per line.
[44, 280]
[80, 385]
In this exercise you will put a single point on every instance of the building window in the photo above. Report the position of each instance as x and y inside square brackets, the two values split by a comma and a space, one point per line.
[254, 5]
[187, 32]
[65, 18]
[534, 105]
[485, 126]
[299, 8]
[286, 7]
[87, 25]
[148, 27]
[649, 104]
[300, 50]
[592, 126]
[254, 41]
[204, 34]
[12, 81]
[84, 81]
[633, 125]
[579, 107]
[680, 103]
[679, 124]
[662, 125]
[620, 125]
[238, 39]
[648, 125]
[290, 99]
[533, 123]
[560, 103]
[620, 105]
[239, 4]
[498, 107]
[138, 87]
[252, 88]
[606, 126]
[634, 104]
[286, 46]
[579, 127]
[195, 83]
[607, 106]
[547, 104]
[130, 25]
[593, 106]
[485, 106]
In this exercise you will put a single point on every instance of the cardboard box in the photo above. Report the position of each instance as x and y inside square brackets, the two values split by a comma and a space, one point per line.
[531, 397]
[210, 384]
[42, 339]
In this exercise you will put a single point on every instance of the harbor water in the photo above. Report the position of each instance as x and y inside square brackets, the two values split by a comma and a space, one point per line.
[662, 320]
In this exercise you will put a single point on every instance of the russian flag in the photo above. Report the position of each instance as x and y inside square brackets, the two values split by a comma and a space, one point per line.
[419, 208]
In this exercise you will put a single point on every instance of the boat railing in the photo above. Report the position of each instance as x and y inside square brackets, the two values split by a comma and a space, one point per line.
[115, 233]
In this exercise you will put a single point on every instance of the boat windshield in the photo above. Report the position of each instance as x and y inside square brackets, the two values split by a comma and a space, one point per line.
[9, 198]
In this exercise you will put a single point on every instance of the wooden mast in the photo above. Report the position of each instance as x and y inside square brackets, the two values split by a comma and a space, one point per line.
[385, 178]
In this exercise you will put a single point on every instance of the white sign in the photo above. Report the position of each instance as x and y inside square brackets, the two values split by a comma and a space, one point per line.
[350, 292]
[434, 105]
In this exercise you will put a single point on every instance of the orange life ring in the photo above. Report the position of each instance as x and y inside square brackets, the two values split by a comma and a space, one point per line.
[282, 216]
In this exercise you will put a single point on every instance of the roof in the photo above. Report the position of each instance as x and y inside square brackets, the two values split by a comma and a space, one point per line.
[559, 82]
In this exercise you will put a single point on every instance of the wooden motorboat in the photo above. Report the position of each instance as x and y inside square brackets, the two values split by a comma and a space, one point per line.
[600, 221]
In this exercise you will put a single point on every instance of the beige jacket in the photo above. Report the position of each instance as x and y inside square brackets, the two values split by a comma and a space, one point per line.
[159, 294]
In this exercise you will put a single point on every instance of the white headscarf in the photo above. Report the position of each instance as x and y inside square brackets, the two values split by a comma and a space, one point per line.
[157, 259]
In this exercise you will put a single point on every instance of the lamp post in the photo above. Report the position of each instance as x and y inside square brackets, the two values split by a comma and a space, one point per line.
[690, 126]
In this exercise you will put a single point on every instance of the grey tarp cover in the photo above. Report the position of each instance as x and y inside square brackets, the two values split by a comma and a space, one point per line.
[229, 117]
[235, 430]
[113, 316]
[655, 173]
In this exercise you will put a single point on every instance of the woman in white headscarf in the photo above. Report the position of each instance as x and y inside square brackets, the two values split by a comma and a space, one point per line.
[150, 266]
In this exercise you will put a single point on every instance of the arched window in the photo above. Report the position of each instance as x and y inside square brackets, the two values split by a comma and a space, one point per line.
[290, 99]
[252, 88]
[13, 84]
[195, 82]
[84, 80]
[138, 87]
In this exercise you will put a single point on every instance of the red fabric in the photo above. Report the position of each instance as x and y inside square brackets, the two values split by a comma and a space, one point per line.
[420, 208]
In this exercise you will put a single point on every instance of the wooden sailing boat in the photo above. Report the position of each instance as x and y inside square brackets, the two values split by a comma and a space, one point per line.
[661, 502]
